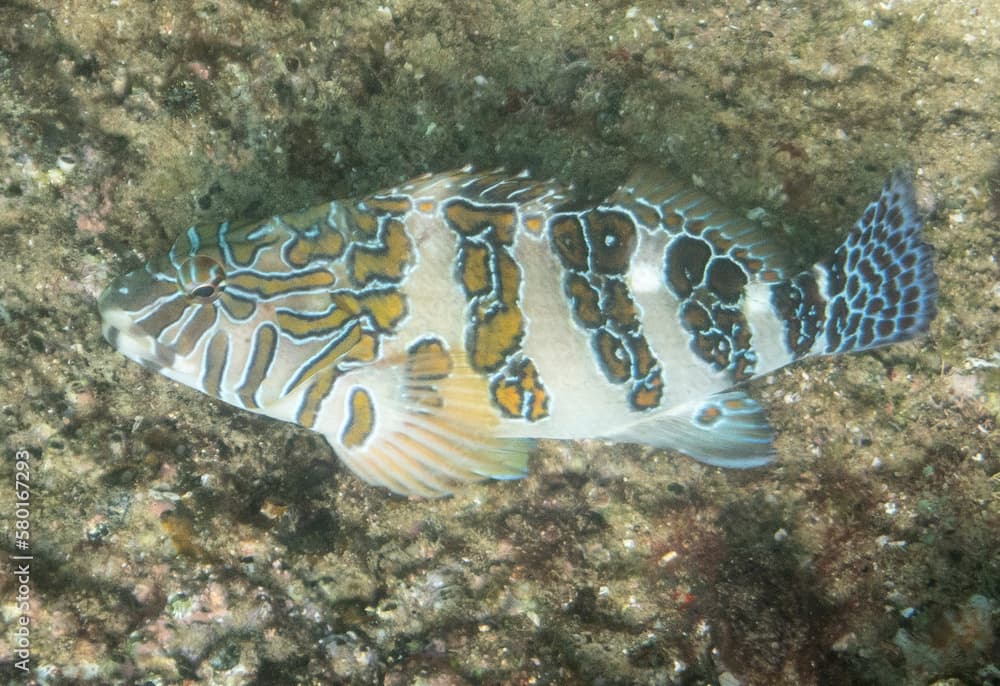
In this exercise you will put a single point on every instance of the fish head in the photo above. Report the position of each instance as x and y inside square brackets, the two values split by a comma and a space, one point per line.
[235, 312]
[144, 313]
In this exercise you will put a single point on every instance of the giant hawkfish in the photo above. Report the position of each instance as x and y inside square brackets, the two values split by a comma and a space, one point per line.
[431, 332]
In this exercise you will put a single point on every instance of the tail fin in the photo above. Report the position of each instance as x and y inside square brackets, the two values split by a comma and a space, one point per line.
[880, 283]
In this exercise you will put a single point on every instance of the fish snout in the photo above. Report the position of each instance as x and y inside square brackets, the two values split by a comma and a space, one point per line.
[124, 306]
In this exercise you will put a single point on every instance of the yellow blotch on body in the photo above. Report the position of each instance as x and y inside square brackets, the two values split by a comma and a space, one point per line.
[300, 326]
[612, 356]
[366, 350]
[538, 407]
[534, 224]
[586, 301]
[388, 261]
[495, 336]
[642, 356]
[240, 309]
[242, 251]
[613, 238]
[522, 394]
[329, 244]
[321, 385]
[266, 287]
[341, 347]
[569, 242]
[508, 277]
[618, 305]
[386, 307]
[264, 346]
[360, 418]
[508, 396]
[469, 220]
[474, 270]
[362, 220]
[646, 397]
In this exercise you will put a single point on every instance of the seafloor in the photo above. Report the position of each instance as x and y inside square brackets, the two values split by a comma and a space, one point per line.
[175, 540]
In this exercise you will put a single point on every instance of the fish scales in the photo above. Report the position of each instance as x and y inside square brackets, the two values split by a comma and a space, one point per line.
[432, 331]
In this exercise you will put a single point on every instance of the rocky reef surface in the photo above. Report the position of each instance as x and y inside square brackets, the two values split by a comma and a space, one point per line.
[175, 540]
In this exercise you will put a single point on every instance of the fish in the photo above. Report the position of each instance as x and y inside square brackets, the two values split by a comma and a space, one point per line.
[434, 331]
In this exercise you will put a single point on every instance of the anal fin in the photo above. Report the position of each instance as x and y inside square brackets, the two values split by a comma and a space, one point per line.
[725, 430]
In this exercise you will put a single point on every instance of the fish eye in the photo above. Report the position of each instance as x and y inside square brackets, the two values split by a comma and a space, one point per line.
[202, 278]
[204, 292]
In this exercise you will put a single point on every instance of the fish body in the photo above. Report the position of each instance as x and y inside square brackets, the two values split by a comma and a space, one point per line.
[431, 331]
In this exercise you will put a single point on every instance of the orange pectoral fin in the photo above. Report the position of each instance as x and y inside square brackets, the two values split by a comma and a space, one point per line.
[430, 430]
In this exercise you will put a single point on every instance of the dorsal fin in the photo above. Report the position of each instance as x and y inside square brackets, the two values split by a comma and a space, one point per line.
[533, 198]
[656, 198]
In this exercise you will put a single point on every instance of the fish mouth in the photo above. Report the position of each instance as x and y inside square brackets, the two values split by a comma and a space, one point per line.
[120, 328]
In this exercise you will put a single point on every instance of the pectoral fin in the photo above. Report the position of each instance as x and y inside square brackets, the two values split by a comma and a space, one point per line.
[425, 426]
